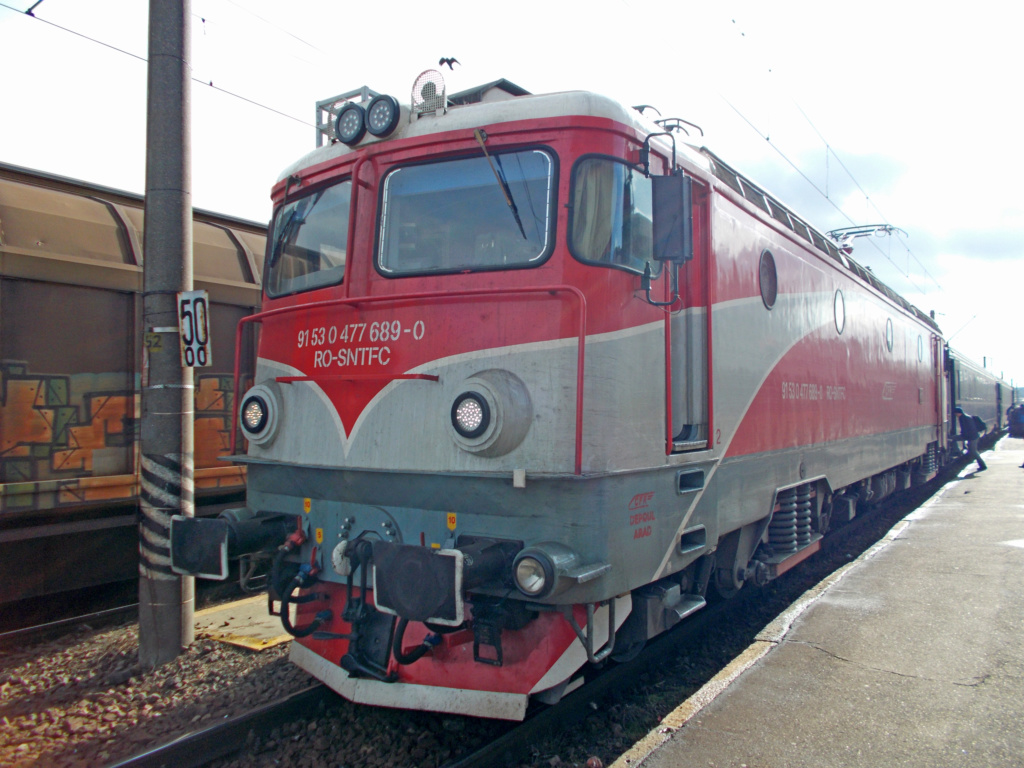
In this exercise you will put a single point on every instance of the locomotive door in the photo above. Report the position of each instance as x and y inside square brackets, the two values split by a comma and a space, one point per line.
[689, 380]
[690, 334]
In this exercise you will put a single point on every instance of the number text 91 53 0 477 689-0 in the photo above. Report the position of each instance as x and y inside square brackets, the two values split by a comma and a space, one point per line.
[342, 345]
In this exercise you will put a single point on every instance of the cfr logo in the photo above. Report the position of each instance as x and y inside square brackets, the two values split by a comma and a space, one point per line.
[640, 501]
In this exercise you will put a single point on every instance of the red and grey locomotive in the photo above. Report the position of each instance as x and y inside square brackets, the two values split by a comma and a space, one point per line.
[534, 372]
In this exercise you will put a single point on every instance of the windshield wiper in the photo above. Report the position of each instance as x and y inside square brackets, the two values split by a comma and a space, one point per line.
[481, 137]
[284, 234]
[289, 230]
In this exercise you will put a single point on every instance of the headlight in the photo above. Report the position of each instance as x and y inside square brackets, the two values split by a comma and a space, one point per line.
[470, 414]
[532, 578]
[382, 115]
[254, 414]
[543, 569]
[350, 126]
[259, 413]
[492, 414]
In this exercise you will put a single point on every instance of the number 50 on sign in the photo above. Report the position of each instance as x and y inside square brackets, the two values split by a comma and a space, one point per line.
[193, 319]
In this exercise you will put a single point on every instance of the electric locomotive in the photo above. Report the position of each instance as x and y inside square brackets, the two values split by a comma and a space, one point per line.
[534, 374]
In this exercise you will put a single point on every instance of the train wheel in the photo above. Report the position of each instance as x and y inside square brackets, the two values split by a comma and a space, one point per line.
[727, 583]
[626, 652]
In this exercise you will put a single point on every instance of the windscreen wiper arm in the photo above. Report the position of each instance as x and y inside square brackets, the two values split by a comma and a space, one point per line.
[289, 230]
[284, 233]
[481, 137]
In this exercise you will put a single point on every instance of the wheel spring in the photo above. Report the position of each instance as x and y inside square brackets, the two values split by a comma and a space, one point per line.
[790, 528]
[782, 531]
[803, 516]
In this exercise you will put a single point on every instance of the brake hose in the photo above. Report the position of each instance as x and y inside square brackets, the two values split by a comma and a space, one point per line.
[417, 653]
[303, 579]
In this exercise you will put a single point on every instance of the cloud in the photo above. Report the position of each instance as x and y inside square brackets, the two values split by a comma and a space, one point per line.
[987, 244]
[827, 194]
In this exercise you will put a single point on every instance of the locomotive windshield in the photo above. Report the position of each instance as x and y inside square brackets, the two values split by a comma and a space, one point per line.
[308, 241]
[611, 215]
[453, 216]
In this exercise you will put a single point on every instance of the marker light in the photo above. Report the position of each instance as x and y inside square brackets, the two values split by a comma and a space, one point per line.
[532, 577]
[470, 414]
[382, 115]
[350, 126]
[254, 414]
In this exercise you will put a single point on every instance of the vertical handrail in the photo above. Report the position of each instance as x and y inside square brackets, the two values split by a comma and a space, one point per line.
[350, 240]
[669, 426]
[446, 296]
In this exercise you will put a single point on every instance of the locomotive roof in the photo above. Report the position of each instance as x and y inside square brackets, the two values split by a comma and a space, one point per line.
[527, 107]
[474, 113]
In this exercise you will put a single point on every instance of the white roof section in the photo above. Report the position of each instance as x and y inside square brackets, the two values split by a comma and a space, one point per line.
[490, 113]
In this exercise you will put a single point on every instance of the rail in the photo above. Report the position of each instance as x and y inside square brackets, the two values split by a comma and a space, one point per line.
[445, 297]
[203, 746]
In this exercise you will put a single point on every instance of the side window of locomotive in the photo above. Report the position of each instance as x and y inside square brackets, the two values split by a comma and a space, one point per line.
[306, 249]
[468, 214]
[611, 216]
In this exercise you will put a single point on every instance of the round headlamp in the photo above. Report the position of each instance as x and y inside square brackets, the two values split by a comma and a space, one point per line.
[254, 414]
[382, 115]
[534, 574]
[259, 413]
[470, 414]
[350, 126]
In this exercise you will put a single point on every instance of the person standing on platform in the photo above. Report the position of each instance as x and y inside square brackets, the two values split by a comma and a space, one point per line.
[970, 435]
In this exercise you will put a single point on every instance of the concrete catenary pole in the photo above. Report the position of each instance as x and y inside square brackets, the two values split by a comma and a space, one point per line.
[166, 600]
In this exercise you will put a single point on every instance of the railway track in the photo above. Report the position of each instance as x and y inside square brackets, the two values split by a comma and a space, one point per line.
[32, 633]
[37, 632]
[203, 746]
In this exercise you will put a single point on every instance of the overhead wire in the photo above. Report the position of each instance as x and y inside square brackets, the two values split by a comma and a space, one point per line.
[210, 23]
[783, 155]
[825, 194]
[279, 28]
[146, 60]
[867, 197]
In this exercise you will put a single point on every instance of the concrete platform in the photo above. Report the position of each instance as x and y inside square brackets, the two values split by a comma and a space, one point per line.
[912, 655]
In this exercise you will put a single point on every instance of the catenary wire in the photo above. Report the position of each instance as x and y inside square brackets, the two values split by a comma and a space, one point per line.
[825, 195]
[146, 60]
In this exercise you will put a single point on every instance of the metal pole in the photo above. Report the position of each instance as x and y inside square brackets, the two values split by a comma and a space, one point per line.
[166, 600]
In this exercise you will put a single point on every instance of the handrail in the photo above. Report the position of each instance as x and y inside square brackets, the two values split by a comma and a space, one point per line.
[482, 293]
[360, 377]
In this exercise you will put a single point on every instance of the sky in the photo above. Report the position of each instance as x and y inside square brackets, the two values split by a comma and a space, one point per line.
[877, 112]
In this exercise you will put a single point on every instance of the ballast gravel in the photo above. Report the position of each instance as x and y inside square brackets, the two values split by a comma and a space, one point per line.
[83, 700]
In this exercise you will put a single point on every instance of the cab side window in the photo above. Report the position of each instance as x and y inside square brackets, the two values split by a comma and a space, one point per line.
[611, 217]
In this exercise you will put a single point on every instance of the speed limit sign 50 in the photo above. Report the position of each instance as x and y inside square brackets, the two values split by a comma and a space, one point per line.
[194, 321]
